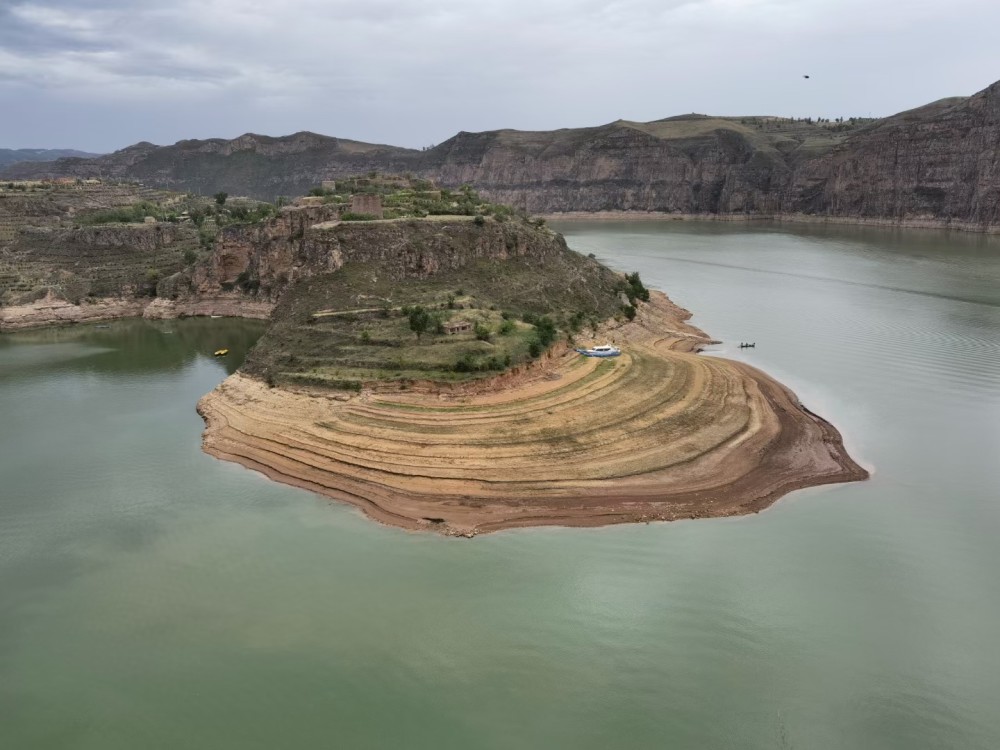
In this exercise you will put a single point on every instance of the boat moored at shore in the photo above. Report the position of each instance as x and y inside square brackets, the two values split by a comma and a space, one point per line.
[601, 351]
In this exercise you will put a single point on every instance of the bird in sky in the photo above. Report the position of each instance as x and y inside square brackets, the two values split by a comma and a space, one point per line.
[805, 76]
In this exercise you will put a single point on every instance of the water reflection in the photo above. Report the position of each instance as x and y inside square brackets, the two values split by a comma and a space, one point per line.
[127, 347]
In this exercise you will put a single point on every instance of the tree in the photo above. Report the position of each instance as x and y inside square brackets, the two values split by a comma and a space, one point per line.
[420, 321]
[545, 329]
[220, 198]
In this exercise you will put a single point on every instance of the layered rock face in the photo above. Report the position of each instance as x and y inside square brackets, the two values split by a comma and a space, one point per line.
[701, 165]
[264, 257]
[267, 258]
[939, 162]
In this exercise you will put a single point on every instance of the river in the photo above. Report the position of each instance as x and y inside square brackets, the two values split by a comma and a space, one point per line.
[153, 597]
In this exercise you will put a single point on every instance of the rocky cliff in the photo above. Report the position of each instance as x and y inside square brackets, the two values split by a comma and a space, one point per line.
[938, 162]
[263, 260]
[934, 165]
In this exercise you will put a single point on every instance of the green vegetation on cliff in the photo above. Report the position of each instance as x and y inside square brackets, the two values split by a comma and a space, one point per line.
[79, 240]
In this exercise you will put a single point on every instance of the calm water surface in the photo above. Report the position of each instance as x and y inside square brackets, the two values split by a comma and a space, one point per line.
[152, 597]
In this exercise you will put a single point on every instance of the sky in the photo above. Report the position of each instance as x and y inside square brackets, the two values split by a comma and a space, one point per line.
[99, 75]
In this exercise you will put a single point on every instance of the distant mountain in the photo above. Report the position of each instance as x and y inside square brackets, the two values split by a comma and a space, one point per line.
[252, 165]
[14, 155]
[938, 164]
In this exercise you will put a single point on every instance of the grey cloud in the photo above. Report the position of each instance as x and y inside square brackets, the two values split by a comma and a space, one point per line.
[414, 73]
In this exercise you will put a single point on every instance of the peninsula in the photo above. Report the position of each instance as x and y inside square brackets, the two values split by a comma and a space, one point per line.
[425, 372]
[421, 359]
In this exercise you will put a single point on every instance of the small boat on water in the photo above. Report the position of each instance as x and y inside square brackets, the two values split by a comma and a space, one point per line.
[601, 351]
[221, 352]
[214, 316]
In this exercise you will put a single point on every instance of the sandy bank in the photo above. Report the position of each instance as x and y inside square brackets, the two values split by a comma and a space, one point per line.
[909, 223]
[659, 433]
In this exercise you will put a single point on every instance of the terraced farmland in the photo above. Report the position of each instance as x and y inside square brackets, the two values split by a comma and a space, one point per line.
[657, 434]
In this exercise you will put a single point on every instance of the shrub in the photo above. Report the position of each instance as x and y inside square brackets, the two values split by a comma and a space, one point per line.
[482, 332]
[220, 198]
[190, 256]
[465, 363]
[352, 216]
[507, 327]
[636, 289]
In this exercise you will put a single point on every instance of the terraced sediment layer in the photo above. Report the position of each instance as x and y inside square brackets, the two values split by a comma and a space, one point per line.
[659, 433]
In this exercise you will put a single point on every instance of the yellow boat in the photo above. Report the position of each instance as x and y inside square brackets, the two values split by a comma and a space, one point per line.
[221, 352]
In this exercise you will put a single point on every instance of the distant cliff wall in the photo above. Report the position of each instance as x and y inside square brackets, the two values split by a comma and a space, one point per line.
[937, 165]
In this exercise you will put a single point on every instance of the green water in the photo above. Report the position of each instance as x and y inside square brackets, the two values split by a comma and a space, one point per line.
[152, 597]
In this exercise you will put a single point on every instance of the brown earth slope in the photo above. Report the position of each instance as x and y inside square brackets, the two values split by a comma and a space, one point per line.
[660, 433]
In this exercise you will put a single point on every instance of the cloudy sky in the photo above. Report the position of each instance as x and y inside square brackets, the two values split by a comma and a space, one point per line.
[101, 74]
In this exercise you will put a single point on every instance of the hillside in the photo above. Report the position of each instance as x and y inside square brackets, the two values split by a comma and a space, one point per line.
[253, 165]
[79, 242]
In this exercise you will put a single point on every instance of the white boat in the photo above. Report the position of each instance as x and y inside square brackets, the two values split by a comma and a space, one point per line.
[601, 351]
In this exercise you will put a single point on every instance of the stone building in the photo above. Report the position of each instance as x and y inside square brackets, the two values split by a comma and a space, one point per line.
[367, 204]
[457, 326]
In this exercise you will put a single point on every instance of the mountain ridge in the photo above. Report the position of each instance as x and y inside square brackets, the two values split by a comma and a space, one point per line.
[935, 164]
[18, 155]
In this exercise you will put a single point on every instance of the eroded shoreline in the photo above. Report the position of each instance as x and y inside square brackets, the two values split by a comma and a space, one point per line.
[778, 218]
[52, 311]
[657, 434]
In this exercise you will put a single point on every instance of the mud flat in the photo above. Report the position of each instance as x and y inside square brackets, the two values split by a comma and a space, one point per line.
[657, 434]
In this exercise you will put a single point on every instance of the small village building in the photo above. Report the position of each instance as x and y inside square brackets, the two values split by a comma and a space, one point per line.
[457, 326]
[369, 205]
[309, 200]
